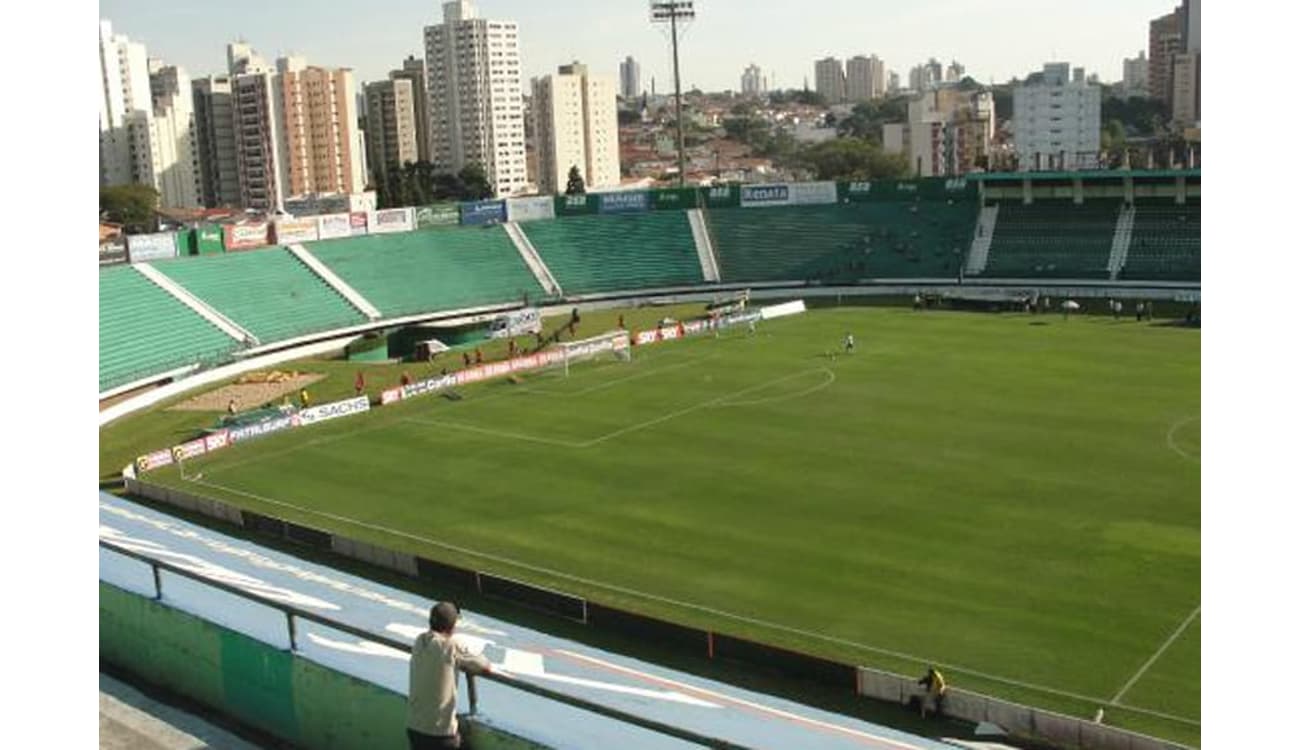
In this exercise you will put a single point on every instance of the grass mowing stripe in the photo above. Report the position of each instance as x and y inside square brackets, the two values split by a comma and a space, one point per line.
[1163, 647]
[682, 604]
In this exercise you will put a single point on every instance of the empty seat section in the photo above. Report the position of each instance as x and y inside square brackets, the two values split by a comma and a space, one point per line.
[431, 270]
[843, 243]
[591, 254]
[143, 330]
[1053, 239]
[270, 293]
[1166, 243]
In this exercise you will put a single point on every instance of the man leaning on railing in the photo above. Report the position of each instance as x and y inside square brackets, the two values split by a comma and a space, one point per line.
[435, 657]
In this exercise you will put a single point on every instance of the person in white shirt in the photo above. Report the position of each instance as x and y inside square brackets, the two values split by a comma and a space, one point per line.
[848, 342]
[435, 658]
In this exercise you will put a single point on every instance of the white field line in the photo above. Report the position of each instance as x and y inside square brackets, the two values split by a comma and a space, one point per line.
[683, 687]
[1168, 642]
[619, 381]
[826, 383]
[1173, 445]
[498, 433]
[683, 604]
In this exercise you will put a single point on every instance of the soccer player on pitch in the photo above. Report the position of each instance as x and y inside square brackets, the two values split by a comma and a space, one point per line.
[848, 343]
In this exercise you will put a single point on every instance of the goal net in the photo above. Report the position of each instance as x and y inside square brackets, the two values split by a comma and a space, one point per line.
[616, 344]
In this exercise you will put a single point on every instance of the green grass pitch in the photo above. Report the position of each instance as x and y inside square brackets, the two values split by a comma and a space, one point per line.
[1014, 497]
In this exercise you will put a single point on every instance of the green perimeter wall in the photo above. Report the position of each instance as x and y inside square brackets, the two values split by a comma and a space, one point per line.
[257, 684]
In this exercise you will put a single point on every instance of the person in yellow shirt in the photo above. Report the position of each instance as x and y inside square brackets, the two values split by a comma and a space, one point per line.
[935, 688]
[304, 398]
[435, 658]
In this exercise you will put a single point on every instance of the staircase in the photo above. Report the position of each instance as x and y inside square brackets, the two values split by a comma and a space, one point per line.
[978, 257]
[1123, 238]
[329, 277]
[226, 325]
[703, 245]
[533, 260]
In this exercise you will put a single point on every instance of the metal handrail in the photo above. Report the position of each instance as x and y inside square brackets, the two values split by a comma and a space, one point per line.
[291, 612]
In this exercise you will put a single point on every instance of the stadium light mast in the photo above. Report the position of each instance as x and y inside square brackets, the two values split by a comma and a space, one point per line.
[673, 13]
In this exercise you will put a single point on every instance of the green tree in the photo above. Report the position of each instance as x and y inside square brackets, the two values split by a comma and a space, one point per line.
[133, 206]
[746, 129]
[852, 159]
[474, 183]
[1140, 116]
[576, 186]
[867, 120]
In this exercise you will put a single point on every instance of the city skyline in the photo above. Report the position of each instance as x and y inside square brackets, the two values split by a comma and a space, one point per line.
[1016, 36]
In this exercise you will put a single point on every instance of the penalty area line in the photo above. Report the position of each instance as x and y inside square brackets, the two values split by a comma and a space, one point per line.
[1163, 647]
[560, 575]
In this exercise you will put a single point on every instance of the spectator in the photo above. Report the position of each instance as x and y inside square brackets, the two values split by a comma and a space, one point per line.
[467, 360]
[435, 657]
[935, 689]
[359, 383]
[230, 407]
[478, 356]
[304, 398]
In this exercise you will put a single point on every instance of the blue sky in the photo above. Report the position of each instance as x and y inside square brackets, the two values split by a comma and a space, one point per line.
[994, 39]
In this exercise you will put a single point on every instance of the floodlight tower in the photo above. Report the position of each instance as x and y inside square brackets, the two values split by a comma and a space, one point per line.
[675, 13]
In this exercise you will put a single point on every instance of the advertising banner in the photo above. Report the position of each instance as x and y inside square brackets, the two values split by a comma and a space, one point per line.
[155, 460]
[246, 236]
[575, 205]
[812, 193]
[722, 196]
[240, 434]
[482, 213]
[333, 226]
[209, 239]
[217, 441]
[854, 192]
[472, 375]
[146, 247]
[334, 410]
[516, 323]
[530, 209]
[427, 386]
[111, 253]
[390, 396]
[624, 202]
[668, 199]
[293, 231]
[764, 195]
[437, 215]
[357, 223]
[781, 310]
[392, 220]
[190, 449]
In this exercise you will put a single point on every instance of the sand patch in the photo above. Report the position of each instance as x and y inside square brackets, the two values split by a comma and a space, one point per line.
[252, 394]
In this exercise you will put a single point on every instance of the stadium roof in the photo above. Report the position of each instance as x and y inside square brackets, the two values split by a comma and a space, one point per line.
[1092, 174]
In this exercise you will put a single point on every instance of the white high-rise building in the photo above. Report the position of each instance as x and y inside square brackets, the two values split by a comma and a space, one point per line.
[576, 125]
[629, 78]
[948, 131]
[829, 75]
[752, 81]
[125, 104]
[1135, 74]
[177, 161]
[1057, 121]
[864, 78]
[476, 99]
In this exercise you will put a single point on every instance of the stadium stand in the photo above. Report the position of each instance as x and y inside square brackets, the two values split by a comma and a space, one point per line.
[1166, 242]
[1053, 239]
[590, 254]
[269, 292]
[143, 330]
[843, 243]
[426, 270]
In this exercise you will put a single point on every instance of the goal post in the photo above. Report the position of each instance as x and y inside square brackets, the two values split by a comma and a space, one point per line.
[617, 344]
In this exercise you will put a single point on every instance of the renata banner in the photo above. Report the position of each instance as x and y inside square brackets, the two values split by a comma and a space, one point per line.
[216, 441]
[291, 231]
[246, 236]
[530, 209]
[812, 193]
[392, 220]
[190, 449]
[146, 247]
[155, 460]
[764, 195]
[390, 396]
[333, 226]
[334, 410]
[633, 201]
[357, 222]
[239, 434]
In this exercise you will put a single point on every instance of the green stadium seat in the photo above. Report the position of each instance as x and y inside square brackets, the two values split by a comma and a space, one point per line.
[1053, 240]
[1166, 243]
[269, 293]
[430, 270]
[591, 254]
[143, 330]
[843, 243]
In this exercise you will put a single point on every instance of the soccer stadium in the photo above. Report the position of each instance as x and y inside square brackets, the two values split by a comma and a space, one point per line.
[727, 466]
